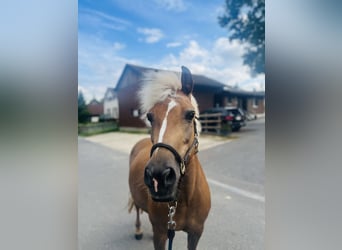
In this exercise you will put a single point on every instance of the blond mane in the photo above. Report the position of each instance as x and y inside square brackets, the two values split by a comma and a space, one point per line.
[156, 86]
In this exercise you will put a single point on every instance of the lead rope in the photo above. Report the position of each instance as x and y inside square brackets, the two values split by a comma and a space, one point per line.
[171, 224]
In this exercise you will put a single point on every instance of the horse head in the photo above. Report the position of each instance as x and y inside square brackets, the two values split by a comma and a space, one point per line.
[174, 138]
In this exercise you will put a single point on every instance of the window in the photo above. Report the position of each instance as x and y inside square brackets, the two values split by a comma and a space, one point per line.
[135, 112]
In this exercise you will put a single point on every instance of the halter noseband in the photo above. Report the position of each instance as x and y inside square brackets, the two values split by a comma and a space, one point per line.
[181, 161]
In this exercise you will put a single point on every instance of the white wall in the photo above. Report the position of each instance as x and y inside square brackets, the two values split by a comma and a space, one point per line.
[111, 108]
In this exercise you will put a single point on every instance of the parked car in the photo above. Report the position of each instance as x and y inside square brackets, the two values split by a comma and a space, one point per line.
[233, 116]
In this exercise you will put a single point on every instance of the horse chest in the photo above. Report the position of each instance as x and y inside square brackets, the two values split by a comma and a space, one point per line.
[185, 217]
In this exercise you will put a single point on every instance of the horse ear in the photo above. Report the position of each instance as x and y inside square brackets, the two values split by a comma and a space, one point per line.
[187, 82]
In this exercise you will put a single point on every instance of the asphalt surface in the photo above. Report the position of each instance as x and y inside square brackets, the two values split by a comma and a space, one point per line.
[235, 171]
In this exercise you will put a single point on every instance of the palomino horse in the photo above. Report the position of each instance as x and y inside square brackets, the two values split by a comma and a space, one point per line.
[164, 170]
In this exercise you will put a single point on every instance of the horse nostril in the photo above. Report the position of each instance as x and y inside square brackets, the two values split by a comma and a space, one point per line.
[148, 177]
[166, 172]
[169, 176]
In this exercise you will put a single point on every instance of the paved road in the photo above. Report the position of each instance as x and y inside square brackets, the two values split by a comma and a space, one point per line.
[235, 170]
[241, 162]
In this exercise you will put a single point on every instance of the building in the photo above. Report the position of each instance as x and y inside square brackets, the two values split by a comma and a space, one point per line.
[211, 93]
[95, 109]
[111, 104]
[208, 93]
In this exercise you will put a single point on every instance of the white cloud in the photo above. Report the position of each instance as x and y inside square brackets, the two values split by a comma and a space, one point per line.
[173, 45]
[119, 46]
[91, 92]
[257, 83]
[151, 35]
[221, 61]
[175, 5]
[97, 18]
[193, 51]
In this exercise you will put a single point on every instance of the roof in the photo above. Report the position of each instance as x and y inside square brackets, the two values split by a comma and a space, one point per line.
[205, 81]
[94, 102]
[199, 80]
[241, 92]
[110, 90]
[138, 69]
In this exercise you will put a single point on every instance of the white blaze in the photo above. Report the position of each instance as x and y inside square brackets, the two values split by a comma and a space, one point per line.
[171, 105]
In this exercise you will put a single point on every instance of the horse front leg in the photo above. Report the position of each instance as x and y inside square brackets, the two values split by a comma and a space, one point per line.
[159, 238]
[193, 238]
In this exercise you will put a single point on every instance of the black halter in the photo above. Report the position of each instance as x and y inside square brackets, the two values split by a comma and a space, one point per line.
[181, 161]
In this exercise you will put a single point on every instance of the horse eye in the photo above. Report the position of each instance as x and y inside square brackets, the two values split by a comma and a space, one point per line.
[149, 117]
[190, 115]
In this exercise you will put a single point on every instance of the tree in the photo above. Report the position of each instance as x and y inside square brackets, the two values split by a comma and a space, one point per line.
[83, 113]
[245, 21]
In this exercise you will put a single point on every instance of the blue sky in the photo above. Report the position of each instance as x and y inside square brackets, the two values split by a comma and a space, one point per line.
[161, 34]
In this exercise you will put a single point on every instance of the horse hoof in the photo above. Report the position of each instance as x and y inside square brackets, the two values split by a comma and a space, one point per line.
[138, 236]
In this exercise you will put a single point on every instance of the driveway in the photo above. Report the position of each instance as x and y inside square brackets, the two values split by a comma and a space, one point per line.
[124, 142]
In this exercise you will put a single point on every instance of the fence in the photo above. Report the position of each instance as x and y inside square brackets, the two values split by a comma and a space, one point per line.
[100, 127]
[212, 123]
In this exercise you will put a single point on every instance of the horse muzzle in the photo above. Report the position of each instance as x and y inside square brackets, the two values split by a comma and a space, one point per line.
[162, 182]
